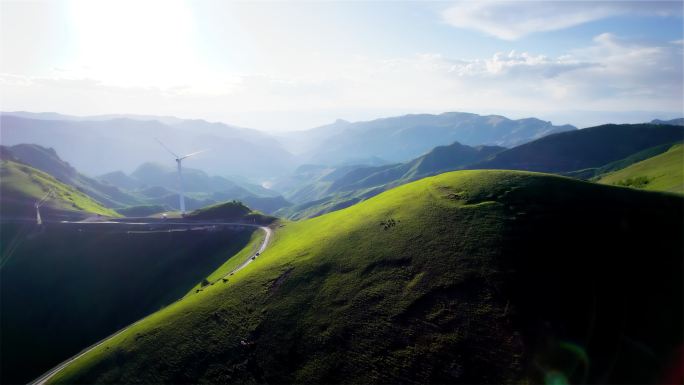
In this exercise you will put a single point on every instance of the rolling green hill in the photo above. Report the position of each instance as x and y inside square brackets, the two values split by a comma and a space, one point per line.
[664, 172]
[436, 161]
[47, 160]
[346, 186]
[66, 286]
[466, 277]
[595, 172]
[581, 154]
[233, 211]
[585, 148]
[22, 186]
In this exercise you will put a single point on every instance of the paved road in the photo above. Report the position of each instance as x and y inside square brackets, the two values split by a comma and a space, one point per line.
[45, 377]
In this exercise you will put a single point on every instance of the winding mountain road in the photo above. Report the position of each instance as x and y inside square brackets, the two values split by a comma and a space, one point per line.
[267, 230]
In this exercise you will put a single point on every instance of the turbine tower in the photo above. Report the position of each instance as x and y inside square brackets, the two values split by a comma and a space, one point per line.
[179, 160]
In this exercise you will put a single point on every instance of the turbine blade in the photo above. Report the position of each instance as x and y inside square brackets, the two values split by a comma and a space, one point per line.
[191, 154]
[166, 148]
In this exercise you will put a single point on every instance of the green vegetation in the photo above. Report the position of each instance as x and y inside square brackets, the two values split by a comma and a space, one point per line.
[637, 182]
[226, 210]
[328, 204]
[582, 149]
[482, 277]
[230, 211]
[354, 184]
[66, 286]
[232, 263]
[142, 210]
[47, 160]
[23, 185]
[664, 172]
[581, 154]
[597, 172]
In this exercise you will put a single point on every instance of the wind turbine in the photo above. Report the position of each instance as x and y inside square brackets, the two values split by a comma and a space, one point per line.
[39, 220]
[179, 160]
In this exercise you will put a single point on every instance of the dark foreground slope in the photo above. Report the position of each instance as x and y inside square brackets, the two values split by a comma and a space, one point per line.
[466, 277]
[65, 286]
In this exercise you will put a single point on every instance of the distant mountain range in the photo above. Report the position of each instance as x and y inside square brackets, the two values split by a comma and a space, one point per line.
[335, 165]
[122, 142]
[157, 184]
[583, 154]
[151, 185]
[325, 181]
[589, 147]
[402, 138]
[99, 146]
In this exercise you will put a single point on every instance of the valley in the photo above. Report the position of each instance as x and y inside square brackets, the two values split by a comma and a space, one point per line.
[341, 192]
[424, 271]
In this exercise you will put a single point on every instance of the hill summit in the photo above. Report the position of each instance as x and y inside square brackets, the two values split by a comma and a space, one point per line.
[465, 277]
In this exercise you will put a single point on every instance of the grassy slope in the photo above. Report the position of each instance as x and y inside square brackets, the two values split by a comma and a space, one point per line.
[597, 172]
[231, 212]
[23, 185]
[581, 149]
[233, 262]
[64, 287]
[475, 276]
[47, 160]
[664, 172]
[364, 182]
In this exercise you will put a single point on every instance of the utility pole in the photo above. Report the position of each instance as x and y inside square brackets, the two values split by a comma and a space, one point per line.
[39, 219]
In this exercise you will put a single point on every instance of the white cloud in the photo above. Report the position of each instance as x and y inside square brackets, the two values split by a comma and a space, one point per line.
[511, 20]
[522, 64]
[610, 74]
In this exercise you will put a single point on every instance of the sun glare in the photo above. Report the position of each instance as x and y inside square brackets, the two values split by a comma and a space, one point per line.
[142, 43]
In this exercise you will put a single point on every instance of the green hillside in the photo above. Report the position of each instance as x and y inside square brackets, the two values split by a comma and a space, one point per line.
[466, 277]
[595, 172]
[65, 286]
[352, 185]
[233, 211]
[585, 148]
[23, 185]
[143, 210]
[436, 161]
[582, 154]
[47, 160]
[664, 172]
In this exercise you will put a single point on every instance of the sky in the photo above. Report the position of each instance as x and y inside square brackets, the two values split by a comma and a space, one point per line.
[282, 65]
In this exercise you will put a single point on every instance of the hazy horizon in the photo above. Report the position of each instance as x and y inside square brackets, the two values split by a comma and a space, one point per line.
[244, 64]
[579, 119]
